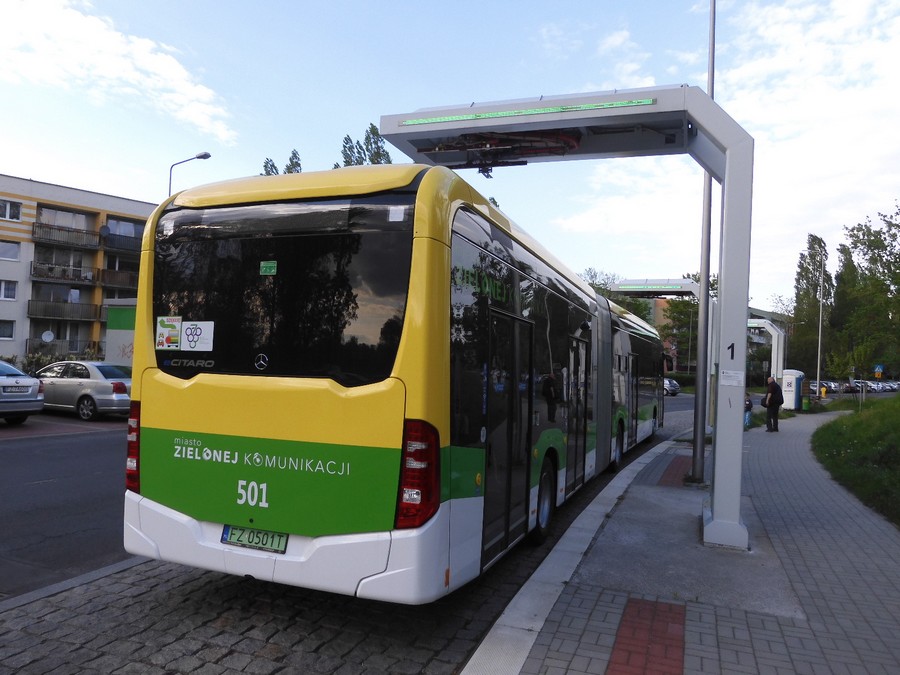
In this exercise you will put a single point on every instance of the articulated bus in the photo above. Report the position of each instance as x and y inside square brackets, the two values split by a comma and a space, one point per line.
[367, 381]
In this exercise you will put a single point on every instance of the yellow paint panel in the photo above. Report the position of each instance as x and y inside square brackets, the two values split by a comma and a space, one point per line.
[317, 411]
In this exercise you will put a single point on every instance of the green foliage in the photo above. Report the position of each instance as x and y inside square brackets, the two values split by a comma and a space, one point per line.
[681, 327]
[293, 165]
[860, 304]
[862, 453]
[370, 151]
[810, 280]
[601, 282]
[34, 361]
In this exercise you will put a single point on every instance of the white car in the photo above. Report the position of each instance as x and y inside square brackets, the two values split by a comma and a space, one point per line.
[20, 395]
[88, 388]
[670, 387]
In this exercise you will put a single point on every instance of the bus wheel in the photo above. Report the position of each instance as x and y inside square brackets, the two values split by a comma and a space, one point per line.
[619, 451]
[545, 502]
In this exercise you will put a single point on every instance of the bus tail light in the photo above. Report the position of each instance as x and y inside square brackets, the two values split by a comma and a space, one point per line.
[132, 461]
[420, 475]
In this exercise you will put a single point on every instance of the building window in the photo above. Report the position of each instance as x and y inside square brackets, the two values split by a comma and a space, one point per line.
[9, 250]
[59, 218]
[7, 289]
[126, 228]
[10, 210]
[7, 329]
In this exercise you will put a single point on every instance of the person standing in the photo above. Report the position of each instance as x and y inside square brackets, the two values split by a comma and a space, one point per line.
[774, 400]
[748, 410]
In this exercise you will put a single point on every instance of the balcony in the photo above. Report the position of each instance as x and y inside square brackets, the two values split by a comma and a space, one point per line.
[62, 348]
[119, 242]
[51, 272]
[65, 236]
[119, 278]
[73, 311]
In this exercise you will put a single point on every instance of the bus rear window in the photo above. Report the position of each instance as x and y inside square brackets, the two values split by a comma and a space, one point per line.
[297, 289]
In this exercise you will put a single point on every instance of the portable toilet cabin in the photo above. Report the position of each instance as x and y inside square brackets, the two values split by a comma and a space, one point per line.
[792, 388]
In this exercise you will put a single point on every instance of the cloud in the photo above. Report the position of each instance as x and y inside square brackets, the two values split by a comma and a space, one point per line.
[626, 61]
[814, 83]
[57, 46]
[557, 42]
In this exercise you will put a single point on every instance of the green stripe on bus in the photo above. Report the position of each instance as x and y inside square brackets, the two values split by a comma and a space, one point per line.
[295, 487]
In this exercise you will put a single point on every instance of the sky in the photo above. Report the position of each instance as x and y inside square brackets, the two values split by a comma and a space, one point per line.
[105, 95]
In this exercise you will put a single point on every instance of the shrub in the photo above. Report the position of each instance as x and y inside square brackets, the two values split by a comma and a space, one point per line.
[862, 453]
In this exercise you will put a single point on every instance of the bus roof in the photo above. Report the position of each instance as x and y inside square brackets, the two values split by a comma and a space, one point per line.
[353, 180]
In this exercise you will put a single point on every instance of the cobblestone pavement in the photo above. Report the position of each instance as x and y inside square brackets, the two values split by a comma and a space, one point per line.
[160, 617]
[819, 591]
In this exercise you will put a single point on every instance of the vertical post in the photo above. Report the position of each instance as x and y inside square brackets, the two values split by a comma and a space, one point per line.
[699, 452]
[821, 299]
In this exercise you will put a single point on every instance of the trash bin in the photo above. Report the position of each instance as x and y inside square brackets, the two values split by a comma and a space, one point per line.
[806, 403]
[792, 388]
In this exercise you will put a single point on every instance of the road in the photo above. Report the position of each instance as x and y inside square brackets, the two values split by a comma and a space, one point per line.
[61, 493]
[61, 488]
[71, 476]
[679, 403]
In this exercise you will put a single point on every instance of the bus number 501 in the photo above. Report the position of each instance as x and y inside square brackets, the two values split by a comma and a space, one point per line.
[253, 494]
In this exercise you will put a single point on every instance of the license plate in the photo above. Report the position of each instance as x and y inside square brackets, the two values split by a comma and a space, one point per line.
[275, 542]
[16, 390]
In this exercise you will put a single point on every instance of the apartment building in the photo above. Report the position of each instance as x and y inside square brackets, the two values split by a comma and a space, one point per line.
[66, 257]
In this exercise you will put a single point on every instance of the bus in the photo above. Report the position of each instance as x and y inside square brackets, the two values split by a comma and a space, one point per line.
[367, 381]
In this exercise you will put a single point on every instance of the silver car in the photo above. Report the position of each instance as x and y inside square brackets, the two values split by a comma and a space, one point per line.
[88, 388]
[20, 395]
[670, 387]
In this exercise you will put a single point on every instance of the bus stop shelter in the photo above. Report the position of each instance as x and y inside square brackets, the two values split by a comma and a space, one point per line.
[627, 123]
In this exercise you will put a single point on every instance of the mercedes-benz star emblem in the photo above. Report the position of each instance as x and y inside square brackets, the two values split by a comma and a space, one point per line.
[261, 362]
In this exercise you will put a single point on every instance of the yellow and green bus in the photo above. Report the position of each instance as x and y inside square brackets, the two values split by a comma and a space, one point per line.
[367, 381]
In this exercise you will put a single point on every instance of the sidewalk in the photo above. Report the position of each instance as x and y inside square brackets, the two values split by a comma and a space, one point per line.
[818, 592]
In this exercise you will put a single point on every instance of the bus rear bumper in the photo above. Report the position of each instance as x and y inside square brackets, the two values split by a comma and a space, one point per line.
[398, 566]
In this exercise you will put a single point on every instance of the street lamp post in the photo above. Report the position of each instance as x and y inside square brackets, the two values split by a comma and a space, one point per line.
[199, 155]
[819, 351]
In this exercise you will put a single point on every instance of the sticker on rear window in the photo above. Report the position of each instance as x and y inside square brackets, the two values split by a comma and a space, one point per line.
[168, 332]
[197, 336]
[190, 336]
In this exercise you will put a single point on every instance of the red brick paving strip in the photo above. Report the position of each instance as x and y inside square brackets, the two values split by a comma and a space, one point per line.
[679, 467]
[650, 639]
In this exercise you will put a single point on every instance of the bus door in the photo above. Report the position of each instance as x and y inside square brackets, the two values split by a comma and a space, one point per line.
[576, 413]
[509, 393]
[633, 394]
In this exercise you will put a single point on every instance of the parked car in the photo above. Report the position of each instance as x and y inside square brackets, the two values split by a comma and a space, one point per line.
[20, 395]
[671, 387]
[88, 388]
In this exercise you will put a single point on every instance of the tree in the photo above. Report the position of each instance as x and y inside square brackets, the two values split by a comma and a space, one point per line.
[680, 330]
[810, 280]
[292, 166]
[875, 317]
[601, 283]
[681, 314]
[370, 151]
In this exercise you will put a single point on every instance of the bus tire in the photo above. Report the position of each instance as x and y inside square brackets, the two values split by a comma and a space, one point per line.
[618, 450]
[546, 503]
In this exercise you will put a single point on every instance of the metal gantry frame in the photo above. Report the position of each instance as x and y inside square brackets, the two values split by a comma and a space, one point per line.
[778, 350]
[627, 123]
